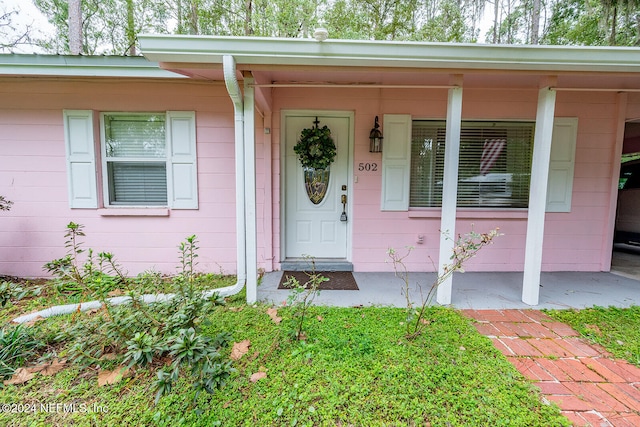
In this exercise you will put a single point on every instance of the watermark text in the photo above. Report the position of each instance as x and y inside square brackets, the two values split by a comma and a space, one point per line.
[52, 407]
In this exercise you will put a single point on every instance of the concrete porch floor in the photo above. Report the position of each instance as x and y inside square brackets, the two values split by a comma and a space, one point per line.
[478, 291]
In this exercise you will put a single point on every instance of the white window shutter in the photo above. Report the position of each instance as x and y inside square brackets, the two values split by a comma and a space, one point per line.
[396, 162]
[561, 165]
[81, 159]
[183, 173]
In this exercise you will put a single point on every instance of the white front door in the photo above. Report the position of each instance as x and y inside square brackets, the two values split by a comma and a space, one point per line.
[317, 230]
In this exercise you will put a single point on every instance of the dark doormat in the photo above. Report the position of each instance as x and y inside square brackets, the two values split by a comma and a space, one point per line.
[338, 280]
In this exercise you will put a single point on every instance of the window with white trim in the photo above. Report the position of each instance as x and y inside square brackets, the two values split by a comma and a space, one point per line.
[147, 159]
[134, 148]
[494, 168]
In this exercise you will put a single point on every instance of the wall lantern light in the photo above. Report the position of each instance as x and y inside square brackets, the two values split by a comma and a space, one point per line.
[375, 138]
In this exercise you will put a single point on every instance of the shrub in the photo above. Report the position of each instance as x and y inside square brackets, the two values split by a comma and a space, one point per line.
[301, 298]
[141, 334]
[96, 275]
[465, 247]
[11, 291]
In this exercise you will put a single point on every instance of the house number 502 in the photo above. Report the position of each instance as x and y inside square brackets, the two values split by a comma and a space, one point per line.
[369, 167]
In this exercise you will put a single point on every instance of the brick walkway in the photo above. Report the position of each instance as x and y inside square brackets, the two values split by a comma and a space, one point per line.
[589, 386]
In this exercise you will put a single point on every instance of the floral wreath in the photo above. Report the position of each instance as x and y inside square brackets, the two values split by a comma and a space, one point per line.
[316, 148]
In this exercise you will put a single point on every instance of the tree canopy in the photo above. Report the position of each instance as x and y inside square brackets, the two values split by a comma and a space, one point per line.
[11, 35]
[112, 26]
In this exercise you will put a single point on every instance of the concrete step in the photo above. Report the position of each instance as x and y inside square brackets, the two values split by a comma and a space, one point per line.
[320, 265]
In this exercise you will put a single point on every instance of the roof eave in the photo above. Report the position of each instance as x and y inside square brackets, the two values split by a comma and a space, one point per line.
[81, 66]
[363, 54]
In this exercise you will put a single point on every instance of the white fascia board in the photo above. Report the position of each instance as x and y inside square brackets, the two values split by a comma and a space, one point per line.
[364, 53]
[81, 66]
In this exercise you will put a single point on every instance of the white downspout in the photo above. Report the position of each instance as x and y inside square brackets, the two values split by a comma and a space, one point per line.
[233, 88]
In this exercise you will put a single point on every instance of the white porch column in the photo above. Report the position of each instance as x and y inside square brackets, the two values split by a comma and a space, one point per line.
[449, 190]
[250, 188]
[538, 195]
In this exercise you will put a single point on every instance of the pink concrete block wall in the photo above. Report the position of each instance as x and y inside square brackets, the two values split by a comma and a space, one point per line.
[633, 106]
[33, 175]
[573, 241]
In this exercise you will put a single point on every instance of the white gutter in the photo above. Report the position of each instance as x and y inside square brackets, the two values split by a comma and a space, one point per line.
[367, 54]
[82, 66]
[233, 88]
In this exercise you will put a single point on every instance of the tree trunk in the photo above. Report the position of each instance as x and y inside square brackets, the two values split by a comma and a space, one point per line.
[535, 22]
[248, 12]
[180, 26]
[509, 23]
[193, 21]
[495, 21]
[131, 30]
[614, 24]
[75, 27]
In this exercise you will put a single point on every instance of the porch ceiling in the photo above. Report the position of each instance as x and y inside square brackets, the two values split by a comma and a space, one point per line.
[486, 79]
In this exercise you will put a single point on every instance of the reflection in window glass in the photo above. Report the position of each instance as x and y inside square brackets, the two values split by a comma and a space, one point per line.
[136, 159]
[494, 168]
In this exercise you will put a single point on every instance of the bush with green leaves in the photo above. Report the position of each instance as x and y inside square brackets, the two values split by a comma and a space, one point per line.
[200, 355]
[93, 275]
[167, 332]
[10, 291]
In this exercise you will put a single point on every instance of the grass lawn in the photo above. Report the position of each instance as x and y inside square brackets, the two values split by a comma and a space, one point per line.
[616, 329]
[355, 368]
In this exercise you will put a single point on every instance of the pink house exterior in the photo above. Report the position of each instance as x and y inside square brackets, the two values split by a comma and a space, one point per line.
[232, 110]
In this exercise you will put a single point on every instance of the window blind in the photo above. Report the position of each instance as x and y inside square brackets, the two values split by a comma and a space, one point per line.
[139, 183]
[427, 161]
[136, 158]
[135, 136]
[494, 165]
